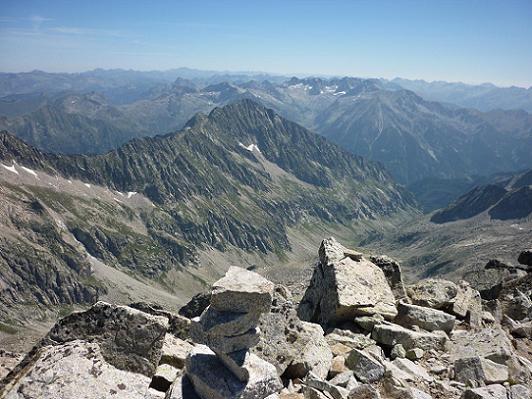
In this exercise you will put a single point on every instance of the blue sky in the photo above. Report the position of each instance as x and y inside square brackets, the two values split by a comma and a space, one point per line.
[469, 41]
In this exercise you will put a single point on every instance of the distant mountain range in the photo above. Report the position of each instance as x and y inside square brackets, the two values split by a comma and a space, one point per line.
[504, 198]
[437, 150]
[485, 97]
[241, 178]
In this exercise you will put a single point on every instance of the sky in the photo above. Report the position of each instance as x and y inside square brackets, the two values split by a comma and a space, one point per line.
[469, 41]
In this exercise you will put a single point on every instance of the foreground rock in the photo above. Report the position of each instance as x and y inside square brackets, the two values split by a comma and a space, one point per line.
[294, 347]
[344, 286]
[392, 334]
[423, 317]
[78, 369]
[106, 351]
[225, 368]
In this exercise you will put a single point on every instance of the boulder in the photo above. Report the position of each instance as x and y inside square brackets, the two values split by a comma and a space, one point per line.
[182, 388]
[164, 376]
[393, 274]
[212, 380]
[519, 391]
[334, 391]
[495, 391]
[129, 339]
[344, 379]
[178, 325]
[76, 369]
[286, 341]
[342, 288]
[433, 293]
[393, 334]
[525, 257]
[468, 305]
[366, 367]
[242, 291]
[348, 338]
[414, 354]
[174, 351]
[476, 371]
[398, 351]
[196, 306]
[415, 371]
[423, 317]
[490, 343]
[364, 391]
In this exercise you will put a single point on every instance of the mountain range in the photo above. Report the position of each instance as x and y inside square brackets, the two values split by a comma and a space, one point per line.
[422, 143]
[240, 180]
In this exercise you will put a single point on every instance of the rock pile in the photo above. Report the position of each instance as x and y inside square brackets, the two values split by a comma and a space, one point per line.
[364, 334]
[223, 367]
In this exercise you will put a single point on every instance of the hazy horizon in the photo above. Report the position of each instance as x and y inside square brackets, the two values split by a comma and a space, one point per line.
[300, 75]
[473, 42]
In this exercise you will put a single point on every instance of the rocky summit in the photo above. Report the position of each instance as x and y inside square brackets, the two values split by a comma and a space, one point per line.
[357, 332]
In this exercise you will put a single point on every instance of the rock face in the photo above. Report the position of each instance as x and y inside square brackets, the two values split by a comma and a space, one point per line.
[460, 299]
[293, 346]
[525, 257]
[343, 288]
[106, 351]
[392, 271]
[78, 369]
[425, 318]
[392, 334]
[225, 368]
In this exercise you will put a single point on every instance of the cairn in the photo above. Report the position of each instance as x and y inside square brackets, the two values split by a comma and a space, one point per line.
[223, 367]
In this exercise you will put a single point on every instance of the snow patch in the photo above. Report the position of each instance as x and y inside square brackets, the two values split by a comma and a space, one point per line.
[339, 93]
[11, 168]
[431, 153]
[251, 147]
[30, 171]
[87, 185]
[131, 193]
[69, 181]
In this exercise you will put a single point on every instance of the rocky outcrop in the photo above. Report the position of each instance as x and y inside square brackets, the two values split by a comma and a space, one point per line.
[525, 257]
[225, 368]
[344, 286]
[105, 351]
[423, 317]
[392, 271]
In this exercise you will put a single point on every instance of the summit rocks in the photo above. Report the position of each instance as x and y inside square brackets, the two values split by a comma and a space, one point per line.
[343, 287]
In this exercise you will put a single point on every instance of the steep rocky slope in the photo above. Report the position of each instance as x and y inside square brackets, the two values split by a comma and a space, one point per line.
[239, 179]
[414, 138]
[504, 199]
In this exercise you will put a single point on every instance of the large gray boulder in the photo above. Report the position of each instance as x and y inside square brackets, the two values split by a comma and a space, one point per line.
[495, 391]
[77, 369]
[476, 371]
[393, 334]
[366, 366]
[344, 286]
[291, 345]
[426, 318]
[490, 343]
[129, 339]
[242, 291]
[433, 293]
